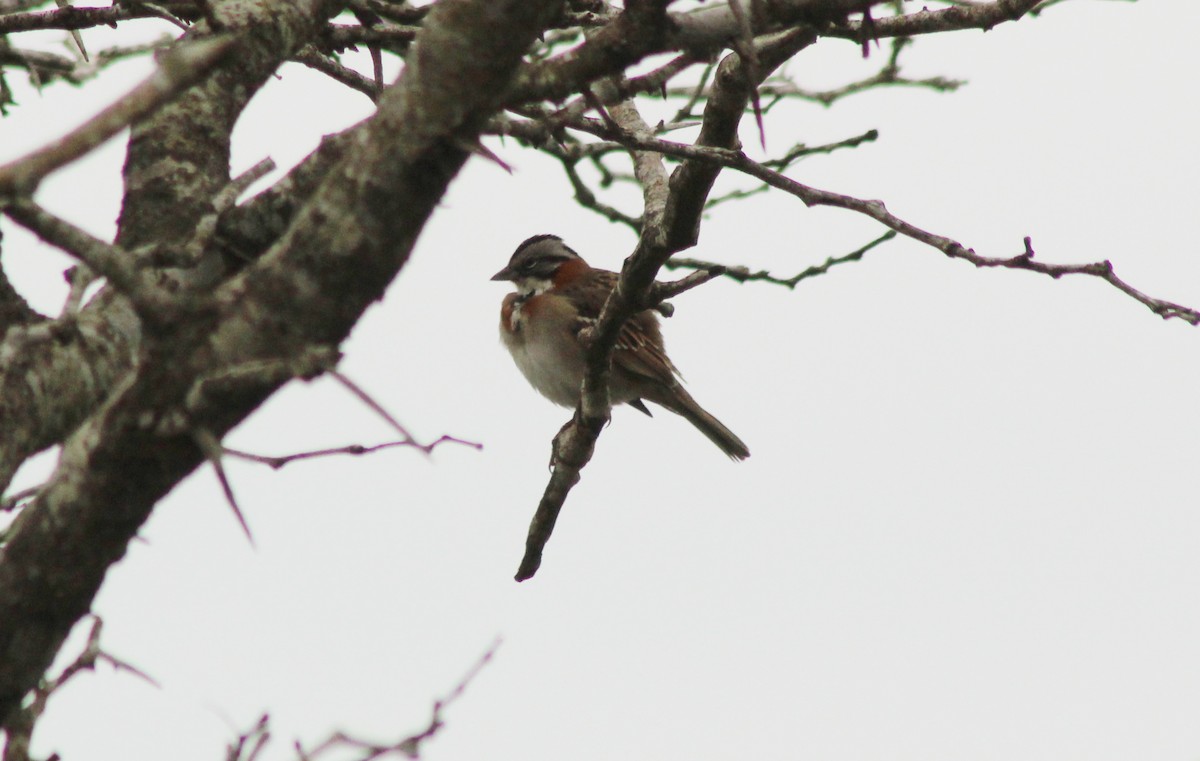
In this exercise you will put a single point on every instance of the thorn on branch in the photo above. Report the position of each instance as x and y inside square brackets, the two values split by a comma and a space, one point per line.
[375, 406]
[160, 12]
[213, 451]
[594, 102]
[867, 33]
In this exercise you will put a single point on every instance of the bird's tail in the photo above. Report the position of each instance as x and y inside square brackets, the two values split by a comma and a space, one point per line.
[681, 403]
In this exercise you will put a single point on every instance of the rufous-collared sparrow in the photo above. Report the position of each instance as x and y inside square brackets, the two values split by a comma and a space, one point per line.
[558, 295]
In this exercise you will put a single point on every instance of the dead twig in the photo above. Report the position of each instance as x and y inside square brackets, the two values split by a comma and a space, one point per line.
[278, 461]
[410, 746]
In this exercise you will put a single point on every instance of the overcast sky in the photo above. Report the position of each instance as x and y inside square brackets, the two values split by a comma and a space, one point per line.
[968, 529]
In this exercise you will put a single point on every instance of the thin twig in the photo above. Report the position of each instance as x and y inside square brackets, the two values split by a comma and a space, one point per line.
[410, 746]
[694, 94]
[587, 199]
[45, 67]
[278, 461]
[745, 274]
[664, 291]
[249, 744]
[366, 399]
[796, 153]
[618, 88]
[317, 61]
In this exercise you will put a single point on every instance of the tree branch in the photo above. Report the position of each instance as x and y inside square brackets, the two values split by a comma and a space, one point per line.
[20, 729]
[878, 211]
[178, 69]
[341, 251]
[675, 227]
[104, 259]
[984, 16]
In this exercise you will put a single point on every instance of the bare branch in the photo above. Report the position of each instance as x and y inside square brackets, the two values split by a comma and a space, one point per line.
[158, 11]
[45, 67]
[315, 284]
[206, 228]
[690, 184]
[70, 18]
[249, 744]
[878, 211]
[278, 461]
[636, 33]
[618, 88]
[177, 70]
[20, 726]
[647, 167]
[663, 291]
[694, 94]
[743, 45]
[106, 260]
[392, 37]
[984, 15]
[375, 406]
[797, 152]
[409, 747]
[315, 60]
[745, 274]
[588, 200]
[828, 97]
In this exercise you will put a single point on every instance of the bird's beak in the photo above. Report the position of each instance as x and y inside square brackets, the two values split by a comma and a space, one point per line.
[504, 274]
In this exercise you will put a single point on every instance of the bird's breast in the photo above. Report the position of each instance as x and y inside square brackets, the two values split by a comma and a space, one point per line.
[535, 330]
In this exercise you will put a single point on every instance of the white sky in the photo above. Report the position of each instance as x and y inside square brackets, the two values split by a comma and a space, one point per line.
[968, 529]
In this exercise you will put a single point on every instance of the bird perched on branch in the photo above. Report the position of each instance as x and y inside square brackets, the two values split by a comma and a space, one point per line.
[558, 295]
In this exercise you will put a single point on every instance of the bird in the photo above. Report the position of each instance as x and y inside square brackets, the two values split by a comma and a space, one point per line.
[557, 296]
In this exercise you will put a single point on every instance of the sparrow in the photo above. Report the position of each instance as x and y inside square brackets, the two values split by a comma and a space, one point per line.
[558, 295]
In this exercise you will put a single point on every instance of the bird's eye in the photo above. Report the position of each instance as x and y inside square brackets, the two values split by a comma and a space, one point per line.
[527, 267]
